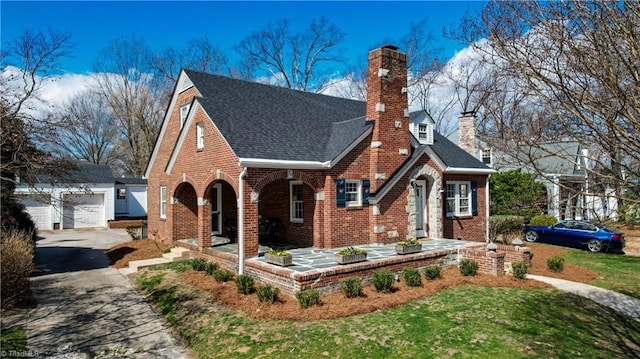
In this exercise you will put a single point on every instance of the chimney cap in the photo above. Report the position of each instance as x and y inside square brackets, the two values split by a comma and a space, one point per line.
[390, 47]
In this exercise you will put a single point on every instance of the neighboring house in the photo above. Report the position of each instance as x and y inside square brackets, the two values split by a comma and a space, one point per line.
[259, 164]
[81, 198]
[560, 166]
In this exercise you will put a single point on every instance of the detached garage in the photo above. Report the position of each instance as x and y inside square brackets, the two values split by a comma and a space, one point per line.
[82, 198]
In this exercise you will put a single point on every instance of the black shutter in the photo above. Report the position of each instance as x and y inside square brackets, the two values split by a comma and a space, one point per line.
[341, 195]
[366, 186]
[474, 198]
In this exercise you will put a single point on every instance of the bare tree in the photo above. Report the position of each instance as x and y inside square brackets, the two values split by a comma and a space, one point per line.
[86, 130]
[125, 83]
[25, 60]
[198, 54]
[577, 65]
[292, 60]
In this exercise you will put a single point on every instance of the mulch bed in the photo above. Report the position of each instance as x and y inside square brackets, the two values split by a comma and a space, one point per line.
[336, 305]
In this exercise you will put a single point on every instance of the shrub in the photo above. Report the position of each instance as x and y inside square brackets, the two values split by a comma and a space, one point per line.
[267, 293]
[351, 287]
[308, 297]
[14, 216]
[432, 272]
[222, 275]
[16, 266]
[199, 264]
[542, 220]
[412, 277]
[245, 284]
[211, 268]
[555, 264]
[520, 270]
[505, 226]
[468, 267]
[382, 280]
[134, 232]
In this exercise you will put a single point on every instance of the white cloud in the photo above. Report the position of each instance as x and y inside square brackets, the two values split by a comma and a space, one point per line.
[51, 91]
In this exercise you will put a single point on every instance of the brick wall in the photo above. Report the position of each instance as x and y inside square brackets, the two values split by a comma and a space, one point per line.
[328, 281]
[469, 228]
[496, 263]
[491, 263]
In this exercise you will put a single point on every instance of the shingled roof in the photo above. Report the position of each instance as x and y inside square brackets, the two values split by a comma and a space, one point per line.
[274, 123]
[269, 122]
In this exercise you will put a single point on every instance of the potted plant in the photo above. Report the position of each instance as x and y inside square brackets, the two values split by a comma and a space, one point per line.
[280, 257]
[351, 255]
[409, 246]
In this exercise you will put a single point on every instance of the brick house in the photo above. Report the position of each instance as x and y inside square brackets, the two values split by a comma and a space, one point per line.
[257, 163]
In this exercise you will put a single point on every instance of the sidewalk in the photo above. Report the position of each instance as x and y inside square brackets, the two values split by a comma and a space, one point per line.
[619, 302]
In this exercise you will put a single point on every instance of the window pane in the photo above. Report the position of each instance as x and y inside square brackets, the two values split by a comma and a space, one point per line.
[296, 192]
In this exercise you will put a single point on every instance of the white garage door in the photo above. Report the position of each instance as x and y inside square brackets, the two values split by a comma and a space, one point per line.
[39, 207]
[83, 211]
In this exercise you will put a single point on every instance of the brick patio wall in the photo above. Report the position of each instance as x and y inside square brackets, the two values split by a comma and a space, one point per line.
[496, 263]
[328, 281]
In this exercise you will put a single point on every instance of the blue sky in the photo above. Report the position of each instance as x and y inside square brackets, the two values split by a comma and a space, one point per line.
[171, 23]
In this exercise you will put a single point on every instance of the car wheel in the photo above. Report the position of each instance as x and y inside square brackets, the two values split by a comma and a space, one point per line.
[531, 236]
[594, 245]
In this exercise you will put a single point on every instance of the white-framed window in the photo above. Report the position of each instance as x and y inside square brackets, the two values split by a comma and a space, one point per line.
[200, 135]
[425, 133]
[353, 193]
[296, 204]
[122, 193]
[184, 110]
[458, 198]
[163, 201]
[486, 156]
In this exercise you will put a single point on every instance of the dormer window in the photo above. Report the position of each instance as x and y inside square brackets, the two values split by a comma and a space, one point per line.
[486, 156]
[184, 110]
[425, 133]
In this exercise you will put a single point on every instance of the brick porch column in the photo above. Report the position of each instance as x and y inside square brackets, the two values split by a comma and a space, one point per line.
[204, 223]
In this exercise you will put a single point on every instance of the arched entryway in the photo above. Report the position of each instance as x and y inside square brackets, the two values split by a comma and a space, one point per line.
[286, 214]
[424, 204]
[185, 212]
[222, 213]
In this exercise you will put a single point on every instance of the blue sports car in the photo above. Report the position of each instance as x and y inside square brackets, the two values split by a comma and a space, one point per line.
[578, 234]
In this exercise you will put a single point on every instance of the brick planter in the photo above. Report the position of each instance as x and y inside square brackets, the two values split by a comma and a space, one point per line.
[350, 258]
[282, 261]
[412, 248]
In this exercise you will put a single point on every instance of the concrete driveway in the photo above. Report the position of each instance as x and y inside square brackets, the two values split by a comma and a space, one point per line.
[85, 309]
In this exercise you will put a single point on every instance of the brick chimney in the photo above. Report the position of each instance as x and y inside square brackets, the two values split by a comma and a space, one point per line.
[387, 106]
[467, 133]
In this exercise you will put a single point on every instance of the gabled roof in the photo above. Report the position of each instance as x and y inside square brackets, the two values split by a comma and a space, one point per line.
[453, 156]
[274, 123]
[84, 173]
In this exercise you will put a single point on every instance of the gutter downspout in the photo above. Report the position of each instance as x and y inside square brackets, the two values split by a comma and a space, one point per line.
[241, 221]
[487, 207]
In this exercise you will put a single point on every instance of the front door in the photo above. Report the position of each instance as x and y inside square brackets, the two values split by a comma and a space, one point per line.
[216, 210]
[421, 208]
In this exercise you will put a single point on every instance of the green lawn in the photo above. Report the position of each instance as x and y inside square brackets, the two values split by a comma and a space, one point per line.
[617, 272]
[461, 322]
